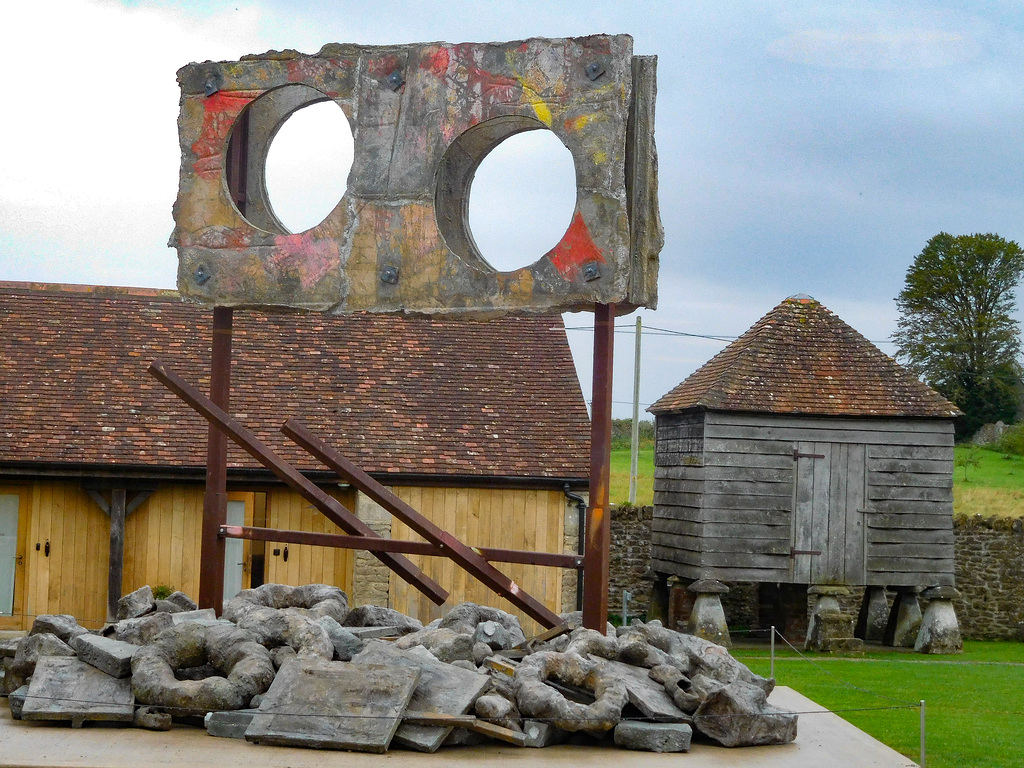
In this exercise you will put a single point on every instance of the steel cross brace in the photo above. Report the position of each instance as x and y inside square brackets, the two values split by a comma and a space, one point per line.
[475, 564]
[331, 508]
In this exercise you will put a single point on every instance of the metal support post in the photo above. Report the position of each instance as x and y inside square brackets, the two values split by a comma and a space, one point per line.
[595, 559]
[771, 674]
[923, 756]
[211, 564]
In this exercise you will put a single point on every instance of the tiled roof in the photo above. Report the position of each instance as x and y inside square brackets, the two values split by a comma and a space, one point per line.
[393, 394]
[802, 359]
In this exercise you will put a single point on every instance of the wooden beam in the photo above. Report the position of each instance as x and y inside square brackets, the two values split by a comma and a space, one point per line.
[116, 569]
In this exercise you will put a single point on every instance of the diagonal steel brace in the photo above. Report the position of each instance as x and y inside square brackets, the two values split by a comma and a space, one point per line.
[331, 508]
[469, 559]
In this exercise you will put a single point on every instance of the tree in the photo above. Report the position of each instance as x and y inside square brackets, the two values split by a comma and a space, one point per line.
[956, 329]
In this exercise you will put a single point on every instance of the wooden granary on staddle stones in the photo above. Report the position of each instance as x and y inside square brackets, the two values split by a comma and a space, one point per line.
[423, 117]
[804, 460]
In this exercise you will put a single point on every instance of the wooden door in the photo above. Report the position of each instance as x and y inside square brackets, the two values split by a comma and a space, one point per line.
[13, 520]
[828, 524]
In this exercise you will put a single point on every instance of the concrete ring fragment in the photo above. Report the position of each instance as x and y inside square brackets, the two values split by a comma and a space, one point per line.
[537, 700]
[245, 665]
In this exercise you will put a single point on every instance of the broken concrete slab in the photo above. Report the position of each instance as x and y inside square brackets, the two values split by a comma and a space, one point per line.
[68, 689]
[63, 625]
[136, 604]
[107, 655]
[371, 633]
[334, 705]
[442, 688]
[230, 724]
[647, 695]
[379, 616]
[30, 650]
[653, 737]
[202, 615]
[446, 644]
[9, 647]
[140, 631]
[738, 715]
[16, 701]
[346, 643]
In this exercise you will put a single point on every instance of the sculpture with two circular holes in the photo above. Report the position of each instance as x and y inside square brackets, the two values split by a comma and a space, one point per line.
[423, 117]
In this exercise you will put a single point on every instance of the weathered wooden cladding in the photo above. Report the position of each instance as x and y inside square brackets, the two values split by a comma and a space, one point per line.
[804, 499]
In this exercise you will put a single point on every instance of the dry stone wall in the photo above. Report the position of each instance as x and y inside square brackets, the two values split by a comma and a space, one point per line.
[630, 558]
[990, 577]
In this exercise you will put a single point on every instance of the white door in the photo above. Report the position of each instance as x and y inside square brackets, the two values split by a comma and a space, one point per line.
[8, 550]
[234, 561]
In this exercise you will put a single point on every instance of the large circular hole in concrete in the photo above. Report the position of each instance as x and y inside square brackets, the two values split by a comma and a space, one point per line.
[307, 165]
[522, 199]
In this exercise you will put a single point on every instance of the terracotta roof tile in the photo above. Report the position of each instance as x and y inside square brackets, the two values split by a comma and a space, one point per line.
[800, 358]
[394, 394]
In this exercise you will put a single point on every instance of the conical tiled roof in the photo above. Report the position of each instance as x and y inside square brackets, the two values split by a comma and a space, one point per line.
[800, 358]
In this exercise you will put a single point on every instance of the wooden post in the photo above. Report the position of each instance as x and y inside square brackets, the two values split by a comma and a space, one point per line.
[595, 559]
[215, 500]
[115, 574]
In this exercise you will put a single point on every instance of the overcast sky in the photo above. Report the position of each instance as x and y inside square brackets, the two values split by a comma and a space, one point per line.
[804, 147]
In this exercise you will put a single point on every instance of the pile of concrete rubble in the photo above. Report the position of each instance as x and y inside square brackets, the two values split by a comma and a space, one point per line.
[295, 666]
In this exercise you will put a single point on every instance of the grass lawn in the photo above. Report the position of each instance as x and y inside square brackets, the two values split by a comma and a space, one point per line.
[619, 493]
[974, 701]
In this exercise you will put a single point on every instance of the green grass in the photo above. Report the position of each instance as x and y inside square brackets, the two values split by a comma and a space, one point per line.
[994, 469]
[619, 493]
[974, 701]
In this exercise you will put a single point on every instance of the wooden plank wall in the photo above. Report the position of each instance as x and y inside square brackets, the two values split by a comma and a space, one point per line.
[509, 519]
[732, 519]
[162, 540]
[306, 564]
[73, 578]
[677, 526]
[910, 525]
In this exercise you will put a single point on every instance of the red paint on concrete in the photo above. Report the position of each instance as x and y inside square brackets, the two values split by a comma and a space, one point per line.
[306, 256]
[437, 62]
[575, 249]
[220, 111]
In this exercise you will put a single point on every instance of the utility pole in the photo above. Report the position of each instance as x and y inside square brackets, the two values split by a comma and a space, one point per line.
[634, 442]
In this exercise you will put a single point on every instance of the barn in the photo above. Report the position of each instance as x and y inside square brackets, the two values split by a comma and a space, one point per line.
[803, 455]
[479, 426]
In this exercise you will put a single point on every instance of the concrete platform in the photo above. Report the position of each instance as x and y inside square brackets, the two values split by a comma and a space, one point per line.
[824, 739]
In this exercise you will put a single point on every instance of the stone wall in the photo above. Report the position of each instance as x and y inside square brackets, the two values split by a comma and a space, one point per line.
[630, 558]
[990, 577]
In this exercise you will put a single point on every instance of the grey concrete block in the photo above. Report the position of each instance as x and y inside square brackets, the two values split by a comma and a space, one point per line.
[540, 734]
[229, 725]
[63, 625]
[16, 701]
[346, 643]
[135, 604]
[107, 655]
[653, 737]
[204, 615]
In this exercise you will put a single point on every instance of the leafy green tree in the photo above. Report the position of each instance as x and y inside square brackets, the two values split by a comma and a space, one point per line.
[956, 329]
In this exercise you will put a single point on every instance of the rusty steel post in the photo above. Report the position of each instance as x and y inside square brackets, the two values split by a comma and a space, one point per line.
[211, 563]
[595, 559]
